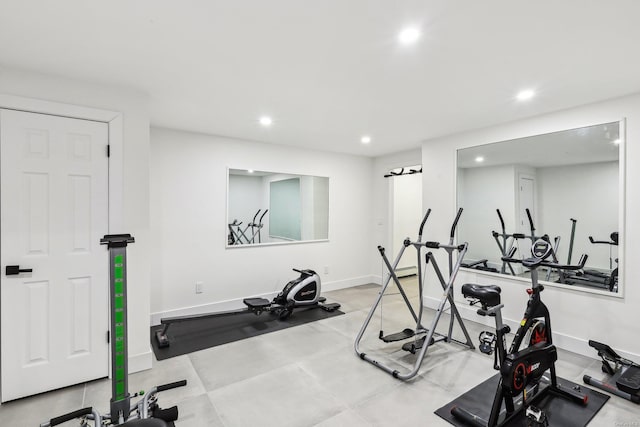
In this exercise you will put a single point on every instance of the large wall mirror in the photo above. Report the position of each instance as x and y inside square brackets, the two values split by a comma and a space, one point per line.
[270, 207]
[564, 184]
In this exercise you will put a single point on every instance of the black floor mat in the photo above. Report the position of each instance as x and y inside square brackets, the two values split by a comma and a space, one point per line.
[560, 412]
[199, 334]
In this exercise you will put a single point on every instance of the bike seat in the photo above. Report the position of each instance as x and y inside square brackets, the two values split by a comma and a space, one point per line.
[488, 295]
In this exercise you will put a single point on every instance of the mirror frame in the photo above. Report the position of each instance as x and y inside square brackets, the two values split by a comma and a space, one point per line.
[622, 161]
[267, 244]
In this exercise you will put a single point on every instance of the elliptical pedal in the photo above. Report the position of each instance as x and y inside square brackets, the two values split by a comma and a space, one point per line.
[413, 347]
[398, 336]
[330, 307]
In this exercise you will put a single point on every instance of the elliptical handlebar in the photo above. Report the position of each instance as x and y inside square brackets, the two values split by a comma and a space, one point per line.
[533, 229]
[424, 220]
[501, 221]
[455, 223]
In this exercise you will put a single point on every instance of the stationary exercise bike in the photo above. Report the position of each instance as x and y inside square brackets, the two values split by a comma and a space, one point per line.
[301, 292]
[123, 411]
[521, 369]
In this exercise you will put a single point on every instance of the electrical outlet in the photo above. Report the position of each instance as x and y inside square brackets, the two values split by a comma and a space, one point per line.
[199, 287]
[326, 269]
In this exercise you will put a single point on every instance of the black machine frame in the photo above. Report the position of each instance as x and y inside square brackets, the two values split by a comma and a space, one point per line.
[521, 368]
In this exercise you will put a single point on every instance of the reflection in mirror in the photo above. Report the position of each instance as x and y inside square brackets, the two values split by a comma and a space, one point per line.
[268, 207]
[564, 185]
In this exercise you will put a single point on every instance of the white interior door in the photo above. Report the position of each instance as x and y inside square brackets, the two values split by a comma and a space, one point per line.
[406, 194]
[54, 205]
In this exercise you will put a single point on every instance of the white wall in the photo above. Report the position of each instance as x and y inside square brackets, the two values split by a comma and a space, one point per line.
[485, 190]
[134, 107]
[577, 315]
[245, 197]
[587, 193]
[188, 223]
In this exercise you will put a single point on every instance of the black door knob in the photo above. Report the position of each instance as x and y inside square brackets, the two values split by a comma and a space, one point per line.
[12, 270]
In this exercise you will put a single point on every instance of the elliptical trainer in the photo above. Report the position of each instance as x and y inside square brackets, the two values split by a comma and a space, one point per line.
[521, 370]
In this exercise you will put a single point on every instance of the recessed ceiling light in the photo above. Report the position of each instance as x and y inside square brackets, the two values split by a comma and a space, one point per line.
[365, 139]
[250, 170]
[616, 141]
[266, 121]
[479, 159]
[525, 95]
[409, 35]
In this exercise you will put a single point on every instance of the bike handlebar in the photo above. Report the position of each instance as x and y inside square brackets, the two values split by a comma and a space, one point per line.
[612, 242]
[537, 262]
[70, 416]
[169, 386]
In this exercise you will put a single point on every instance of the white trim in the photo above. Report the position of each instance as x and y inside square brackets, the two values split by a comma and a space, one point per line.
[56, 108]
[622, 207]
[116, 174]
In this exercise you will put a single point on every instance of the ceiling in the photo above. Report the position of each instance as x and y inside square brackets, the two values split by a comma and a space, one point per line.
[329, 72]
[590, 144]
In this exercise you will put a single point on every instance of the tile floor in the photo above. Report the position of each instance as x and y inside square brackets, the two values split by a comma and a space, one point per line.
[310, 376]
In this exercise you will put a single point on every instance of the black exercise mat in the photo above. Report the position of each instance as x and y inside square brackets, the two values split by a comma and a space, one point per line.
[199, 334]
[560, 412]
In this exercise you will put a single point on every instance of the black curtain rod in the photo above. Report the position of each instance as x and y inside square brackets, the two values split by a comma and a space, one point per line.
[403, 172]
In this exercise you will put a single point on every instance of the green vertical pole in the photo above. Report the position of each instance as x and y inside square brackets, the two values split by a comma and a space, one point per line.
[120, 399]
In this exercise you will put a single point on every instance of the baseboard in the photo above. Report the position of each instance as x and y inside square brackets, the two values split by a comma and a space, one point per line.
[348, 283]
[406, 271]
[563, 341]
[237, 304]
[214, 307]
[141, 361]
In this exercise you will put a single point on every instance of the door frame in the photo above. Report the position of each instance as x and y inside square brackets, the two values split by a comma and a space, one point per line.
[115, 137]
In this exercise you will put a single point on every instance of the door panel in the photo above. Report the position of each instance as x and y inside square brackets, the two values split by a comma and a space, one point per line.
[54, 205]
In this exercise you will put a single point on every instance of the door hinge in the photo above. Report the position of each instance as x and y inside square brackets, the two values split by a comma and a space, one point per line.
[108, 150]
[108, 337]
